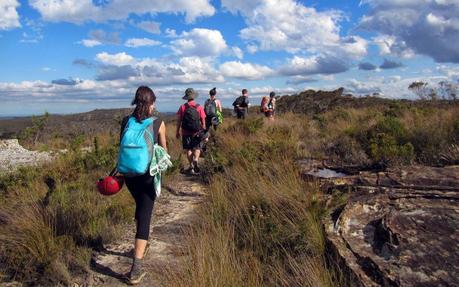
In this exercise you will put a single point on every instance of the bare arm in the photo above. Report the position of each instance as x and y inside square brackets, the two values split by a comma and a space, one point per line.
[219, 106]
[162, 136]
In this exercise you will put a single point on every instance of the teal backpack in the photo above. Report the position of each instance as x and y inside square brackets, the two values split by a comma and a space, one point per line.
[136, 147]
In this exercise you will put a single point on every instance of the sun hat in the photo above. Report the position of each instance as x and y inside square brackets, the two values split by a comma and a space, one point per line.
[190, 94]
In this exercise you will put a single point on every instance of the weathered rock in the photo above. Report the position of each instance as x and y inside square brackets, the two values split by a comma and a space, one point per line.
[400, 228]
[13, 155]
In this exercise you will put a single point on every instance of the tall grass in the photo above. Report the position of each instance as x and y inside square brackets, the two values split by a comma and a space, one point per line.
[261, 224]
[51, 217]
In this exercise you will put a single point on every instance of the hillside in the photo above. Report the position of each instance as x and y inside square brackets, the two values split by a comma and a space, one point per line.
[66, 126]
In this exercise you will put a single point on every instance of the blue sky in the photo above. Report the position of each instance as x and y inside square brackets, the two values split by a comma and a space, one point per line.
[66, 56]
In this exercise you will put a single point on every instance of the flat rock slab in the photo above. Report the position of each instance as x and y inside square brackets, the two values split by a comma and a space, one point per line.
[400, 228]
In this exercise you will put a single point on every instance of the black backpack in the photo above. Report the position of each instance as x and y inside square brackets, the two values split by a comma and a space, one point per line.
[191, 120]
[211, 108]
[240, 101]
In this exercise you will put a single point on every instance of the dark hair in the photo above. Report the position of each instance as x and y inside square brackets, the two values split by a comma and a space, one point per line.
[244, 91]
[144, 98]
[272, 94]
[213, 92]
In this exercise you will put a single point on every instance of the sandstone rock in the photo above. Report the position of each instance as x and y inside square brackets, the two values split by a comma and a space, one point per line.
[400, 228]
[13, 155]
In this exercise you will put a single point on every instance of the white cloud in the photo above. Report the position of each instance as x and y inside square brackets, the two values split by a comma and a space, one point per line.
[246, 71]
[170, 33]
[394, 87]
[9, 17]
[141, 42]
[90, 43]
[390, 45]
[150, 26]
[120, 59]
[85, 10]
[252, 49]
[427, 27]
[101, 37]
[200, 42]
[313, 65]
[238, 52]
[450, 72]
[288, 25]
[156, 71]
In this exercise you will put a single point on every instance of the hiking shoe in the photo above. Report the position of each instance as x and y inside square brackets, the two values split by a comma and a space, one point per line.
[196, 168]
[137, 272]
[187, 171]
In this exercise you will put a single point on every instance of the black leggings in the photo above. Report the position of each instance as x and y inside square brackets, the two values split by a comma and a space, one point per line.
[143, 190]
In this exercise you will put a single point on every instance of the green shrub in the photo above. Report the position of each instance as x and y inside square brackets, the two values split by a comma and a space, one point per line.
[384, 148]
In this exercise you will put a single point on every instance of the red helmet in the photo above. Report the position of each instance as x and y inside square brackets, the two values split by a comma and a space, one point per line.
[110, 185]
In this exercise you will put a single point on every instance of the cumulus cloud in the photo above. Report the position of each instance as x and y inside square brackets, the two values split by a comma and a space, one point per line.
[388, 64]
[141, 42]
[389, 87]
[238, 52]
[9, 18]
[86, 10]
[296, 80]
[83, 63]
[65, 82]
[246, 71]
[367, 66]
[122, 66]
[313, 65]
[90, 43]
[389, 45]
[116, 72]
[150, 26]
[101, 37]
[200, 42]
[119, 59]
[424, 27]
[279, 25]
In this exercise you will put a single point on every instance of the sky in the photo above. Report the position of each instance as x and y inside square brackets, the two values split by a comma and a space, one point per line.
[67, 56]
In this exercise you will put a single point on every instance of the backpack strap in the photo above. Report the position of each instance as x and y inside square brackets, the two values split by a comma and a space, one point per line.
[123, 125]
[156, 125]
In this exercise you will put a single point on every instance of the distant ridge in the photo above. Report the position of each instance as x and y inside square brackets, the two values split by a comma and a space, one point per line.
[87, 123]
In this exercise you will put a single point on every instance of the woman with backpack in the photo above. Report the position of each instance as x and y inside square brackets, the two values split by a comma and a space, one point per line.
[141, 184]
[269, 105]
[212, 107]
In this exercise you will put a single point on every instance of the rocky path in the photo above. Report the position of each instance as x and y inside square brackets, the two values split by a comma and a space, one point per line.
[174, 211]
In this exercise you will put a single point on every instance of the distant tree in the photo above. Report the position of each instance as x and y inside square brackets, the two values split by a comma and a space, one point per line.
[423, 90]
[448, 90]
[35, 131]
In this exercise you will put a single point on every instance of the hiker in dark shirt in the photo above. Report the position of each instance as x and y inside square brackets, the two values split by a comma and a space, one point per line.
[191, 121]
[241, 105]
[142, 187]
[212, 106]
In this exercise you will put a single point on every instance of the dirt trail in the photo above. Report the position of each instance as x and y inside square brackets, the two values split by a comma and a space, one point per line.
[173, 212]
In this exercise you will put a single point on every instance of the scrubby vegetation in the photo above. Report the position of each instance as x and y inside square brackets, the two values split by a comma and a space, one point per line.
[52, 217]
[261, 223]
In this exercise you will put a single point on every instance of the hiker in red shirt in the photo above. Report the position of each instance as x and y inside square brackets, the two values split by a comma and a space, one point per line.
[191, 120]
